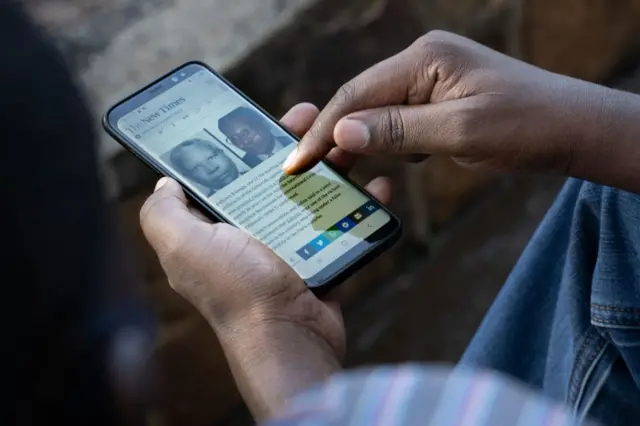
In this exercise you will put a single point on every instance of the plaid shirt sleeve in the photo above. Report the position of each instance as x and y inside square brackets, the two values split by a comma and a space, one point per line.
[429, 396]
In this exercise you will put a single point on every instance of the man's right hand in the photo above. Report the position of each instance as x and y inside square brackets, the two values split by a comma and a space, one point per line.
[448, 95]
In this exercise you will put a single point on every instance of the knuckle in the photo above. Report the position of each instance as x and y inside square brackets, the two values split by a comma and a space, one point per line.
[443, 51]
[393, 129]
[431, 36]
[434, 41]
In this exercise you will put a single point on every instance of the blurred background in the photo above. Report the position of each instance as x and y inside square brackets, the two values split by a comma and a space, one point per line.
[464, 231]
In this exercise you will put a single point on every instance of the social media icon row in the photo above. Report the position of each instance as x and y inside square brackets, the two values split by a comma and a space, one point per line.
[319, 243]
[337, 230]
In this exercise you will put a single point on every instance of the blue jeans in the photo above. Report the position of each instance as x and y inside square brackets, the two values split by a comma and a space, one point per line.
[568, 319]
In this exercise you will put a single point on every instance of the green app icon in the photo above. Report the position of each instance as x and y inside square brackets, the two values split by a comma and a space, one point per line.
[333, 234]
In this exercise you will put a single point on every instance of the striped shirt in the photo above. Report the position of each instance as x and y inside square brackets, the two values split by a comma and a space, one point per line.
[417, 395]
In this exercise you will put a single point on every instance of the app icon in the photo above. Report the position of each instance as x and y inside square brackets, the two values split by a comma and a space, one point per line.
[307, 252]
[333, 234]
[320, 242]
[345, 224]
[357, 217]
[370, 207]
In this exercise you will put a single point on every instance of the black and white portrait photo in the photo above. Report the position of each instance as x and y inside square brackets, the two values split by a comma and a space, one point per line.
[205, 164]
[250, 131]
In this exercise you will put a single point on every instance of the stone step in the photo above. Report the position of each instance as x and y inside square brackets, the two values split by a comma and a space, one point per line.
[279, 51]
[121, 45]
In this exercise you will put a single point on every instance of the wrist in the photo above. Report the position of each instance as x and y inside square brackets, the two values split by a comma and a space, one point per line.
[296, 315]
[263, 333]
[605, 137]
[274, 361]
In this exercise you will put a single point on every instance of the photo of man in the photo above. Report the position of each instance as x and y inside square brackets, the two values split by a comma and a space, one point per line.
[204, 164]
[249, 131]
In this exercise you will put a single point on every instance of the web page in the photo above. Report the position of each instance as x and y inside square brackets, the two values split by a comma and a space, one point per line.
[231, 154]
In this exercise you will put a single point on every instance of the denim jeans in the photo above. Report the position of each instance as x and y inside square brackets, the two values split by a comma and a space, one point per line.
[568, 319]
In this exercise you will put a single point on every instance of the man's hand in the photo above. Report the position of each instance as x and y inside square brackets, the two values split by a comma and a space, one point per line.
[279, 338]
[448, 95]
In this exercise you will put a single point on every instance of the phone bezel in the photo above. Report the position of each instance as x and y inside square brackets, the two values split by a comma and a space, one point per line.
[330, 276]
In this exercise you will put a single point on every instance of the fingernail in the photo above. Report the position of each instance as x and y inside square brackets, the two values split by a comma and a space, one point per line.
[291, 159]
[352, 134]
[161, 183]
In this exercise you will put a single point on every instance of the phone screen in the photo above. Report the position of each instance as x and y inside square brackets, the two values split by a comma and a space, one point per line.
[229, 154]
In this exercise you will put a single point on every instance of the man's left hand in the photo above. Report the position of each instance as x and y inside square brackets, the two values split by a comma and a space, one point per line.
[239, 285]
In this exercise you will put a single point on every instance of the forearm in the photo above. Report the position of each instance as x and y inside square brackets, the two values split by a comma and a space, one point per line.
[608, 148]
[272, 363]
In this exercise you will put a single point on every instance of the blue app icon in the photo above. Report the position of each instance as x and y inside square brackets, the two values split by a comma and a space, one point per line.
[307, 252]
[370, 207]
[320, 243]
[345, 224]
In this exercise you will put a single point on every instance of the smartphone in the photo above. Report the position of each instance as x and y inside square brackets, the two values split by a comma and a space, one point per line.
[227, 153]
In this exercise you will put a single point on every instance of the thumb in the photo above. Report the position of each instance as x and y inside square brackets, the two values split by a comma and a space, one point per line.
[406, 130]
[165, 217]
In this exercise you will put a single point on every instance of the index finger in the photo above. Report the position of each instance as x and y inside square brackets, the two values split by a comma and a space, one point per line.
[387, 83]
